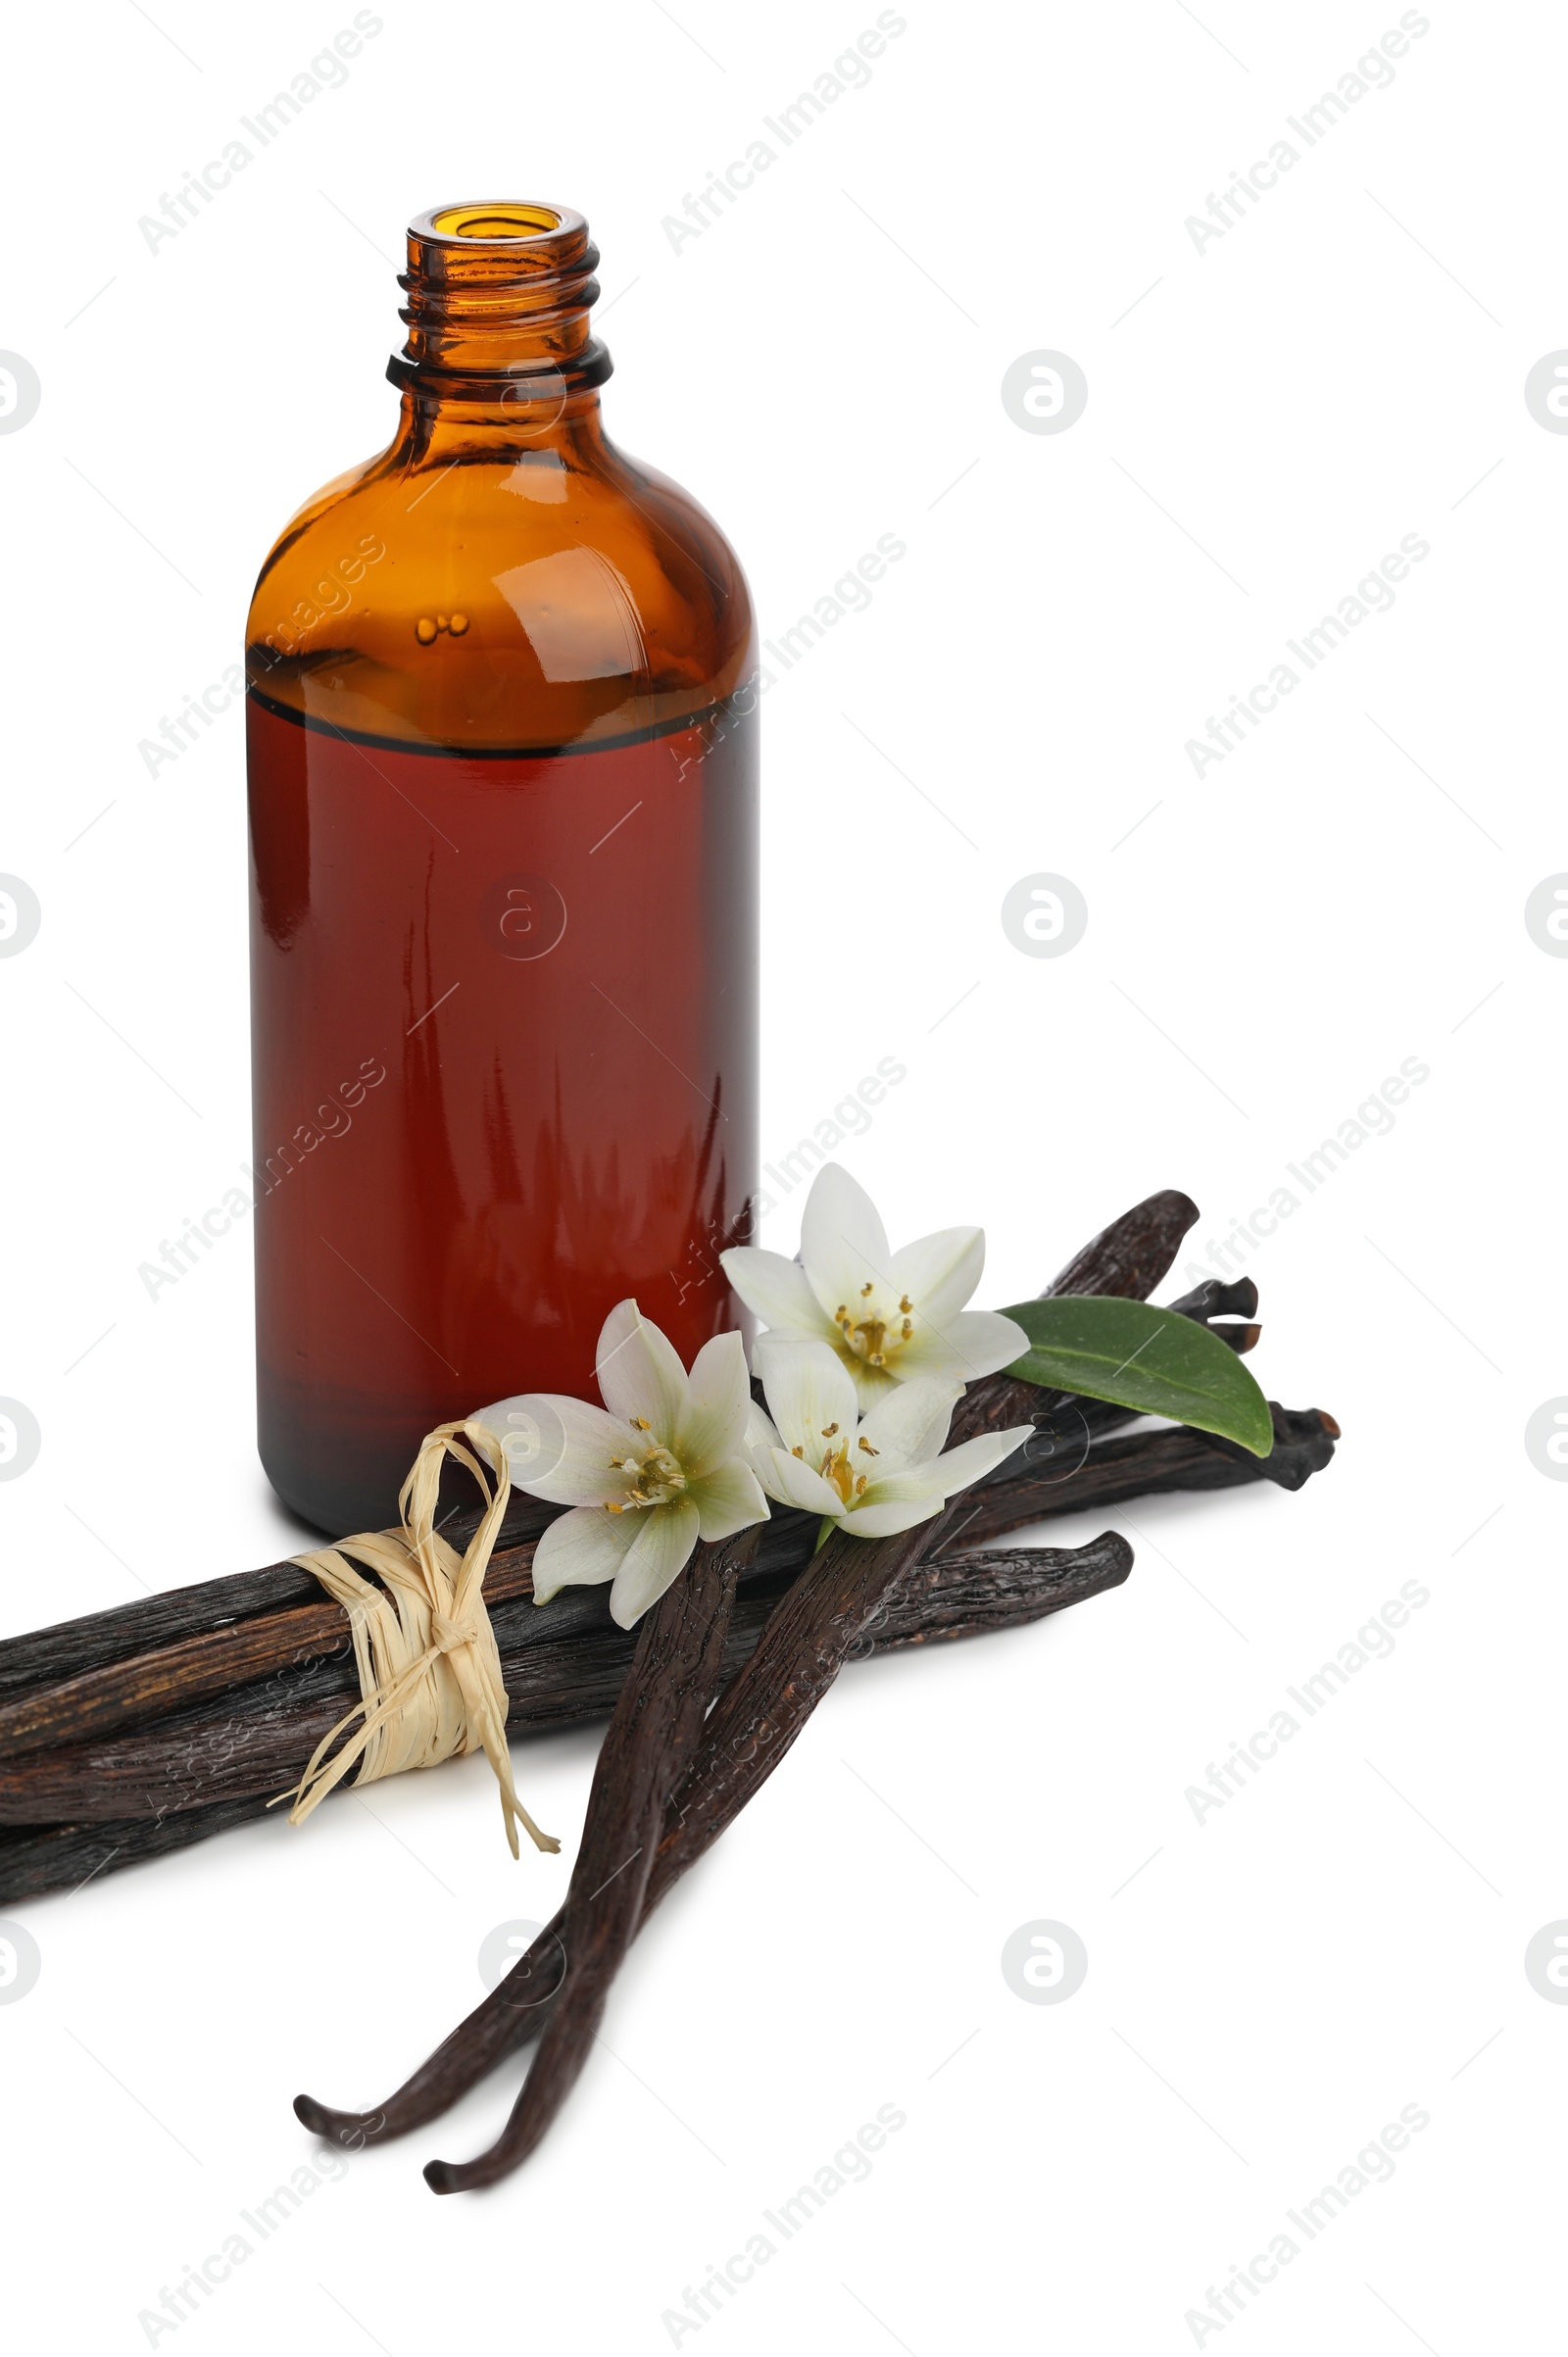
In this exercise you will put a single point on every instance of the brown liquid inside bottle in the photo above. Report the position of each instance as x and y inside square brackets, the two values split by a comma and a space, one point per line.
[503, 790]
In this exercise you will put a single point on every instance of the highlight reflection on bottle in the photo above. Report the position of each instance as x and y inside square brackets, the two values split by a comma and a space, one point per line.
[503, 788]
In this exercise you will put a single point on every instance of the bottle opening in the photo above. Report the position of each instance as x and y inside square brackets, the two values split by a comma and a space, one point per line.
[496, 221]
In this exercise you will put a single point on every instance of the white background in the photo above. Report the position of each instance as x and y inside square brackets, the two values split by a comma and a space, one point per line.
[822, 366]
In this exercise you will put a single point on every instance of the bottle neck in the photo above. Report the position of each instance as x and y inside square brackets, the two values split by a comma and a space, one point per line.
[434, 428]
[496, 315]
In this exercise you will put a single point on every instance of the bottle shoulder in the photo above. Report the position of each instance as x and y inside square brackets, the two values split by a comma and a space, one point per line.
[484, 597]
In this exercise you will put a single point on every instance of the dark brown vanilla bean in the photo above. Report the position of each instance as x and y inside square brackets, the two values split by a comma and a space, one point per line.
[71, 1647]
[1134, 1254]
[648, 1746]
[46, 1657]
[561, 1664]
[996, 1587]
[1217, 1299]
[249, 1689]
[967, 1594]
[41, 1861]
[566, 1662]
[829, 1610]
[1137, 1464]
[756, 1720]
[254, 1738]
[993, 1591]
[147, 1684]
[769, 1699]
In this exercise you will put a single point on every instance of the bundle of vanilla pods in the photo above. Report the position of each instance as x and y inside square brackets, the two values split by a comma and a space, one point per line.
[136, 1731]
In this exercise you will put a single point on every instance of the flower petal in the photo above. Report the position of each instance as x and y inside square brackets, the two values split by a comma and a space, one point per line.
[796, 1483]
[908, 1424]
[774, 1288]
[939, 1273]
[974, 1342]
[640, 1373]
[881, 1521]
[713, 1418]
[843, 1242]
[729, 1499]
[972, 1459]
[943, 1476]
[810, 1394]
[563, 1450]
[760, 1431]
[920, 1484]
[581, 1551]
[659, 1553]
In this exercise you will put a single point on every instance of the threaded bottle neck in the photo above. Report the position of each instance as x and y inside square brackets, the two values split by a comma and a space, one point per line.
[498, 302]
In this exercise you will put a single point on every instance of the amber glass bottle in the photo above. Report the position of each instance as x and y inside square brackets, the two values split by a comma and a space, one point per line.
[502, 807]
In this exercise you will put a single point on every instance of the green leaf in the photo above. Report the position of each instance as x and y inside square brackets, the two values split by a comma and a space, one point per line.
[1143, 1357]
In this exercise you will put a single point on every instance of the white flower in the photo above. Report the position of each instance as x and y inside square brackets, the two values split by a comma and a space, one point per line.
[887, 1315]
[872, 1475]
[664, 1467]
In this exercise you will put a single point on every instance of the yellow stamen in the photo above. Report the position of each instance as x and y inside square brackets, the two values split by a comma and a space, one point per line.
[867, 1445]
[864, 1290]
[828, 1430]
[904, 1304]
[835, 1471]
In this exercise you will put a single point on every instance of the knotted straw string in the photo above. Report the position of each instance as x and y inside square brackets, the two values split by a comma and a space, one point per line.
[429, 1670]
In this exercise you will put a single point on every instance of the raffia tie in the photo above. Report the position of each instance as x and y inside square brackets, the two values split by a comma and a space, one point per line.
[430, 1680]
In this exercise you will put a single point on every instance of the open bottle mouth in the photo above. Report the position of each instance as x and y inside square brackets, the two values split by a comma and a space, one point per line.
[499, 292]
[499, 223]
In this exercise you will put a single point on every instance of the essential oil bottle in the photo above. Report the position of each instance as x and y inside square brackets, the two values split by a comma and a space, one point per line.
[502, 737]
